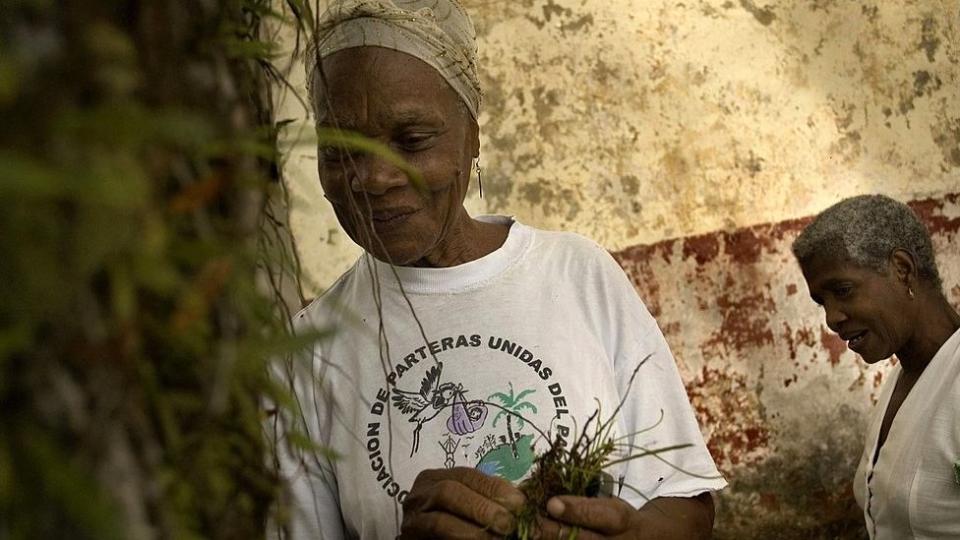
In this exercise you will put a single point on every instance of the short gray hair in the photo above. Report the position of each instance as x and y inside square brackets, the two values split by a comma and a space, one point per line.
[865, 230]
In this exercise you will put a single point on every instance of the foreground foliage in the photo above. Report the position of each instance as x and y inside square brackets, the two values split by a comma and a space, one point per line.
[136, 173]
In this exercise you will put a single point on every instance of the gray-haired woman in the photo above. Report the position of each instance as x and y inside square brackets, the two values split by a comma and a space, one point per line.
[869, 262]
[462, 344]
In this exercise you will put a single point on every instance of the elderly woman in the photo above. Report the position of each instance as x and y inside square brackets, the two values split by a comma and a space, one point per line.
[868, 261]
[463, 346]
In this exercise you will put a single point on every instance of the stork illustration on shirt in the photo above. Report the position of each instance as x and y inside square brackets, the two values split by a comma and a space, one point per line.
[433, 398]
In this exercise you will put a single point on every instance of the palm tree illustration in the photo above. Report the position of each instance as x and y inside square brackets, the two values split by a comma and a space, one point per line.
[513, 404]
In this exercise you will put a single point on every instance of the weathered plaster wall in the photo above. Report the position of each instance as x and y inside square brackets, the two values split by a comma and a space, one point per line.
[781, 399]
[635, 121]
[693, 139]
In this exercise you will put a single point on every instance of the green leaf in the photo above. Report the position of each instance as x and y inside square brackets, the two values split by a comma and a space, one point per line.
[13, 339]
[250, 48]
[354, 141]
[282, 345]
[26, 177]
[9, 79]
[67, 485]
[300, 441]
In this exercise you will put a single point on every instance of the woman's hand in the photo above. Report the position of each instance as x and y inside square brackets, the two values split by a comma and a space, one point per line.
[664, 518]
[459, 503]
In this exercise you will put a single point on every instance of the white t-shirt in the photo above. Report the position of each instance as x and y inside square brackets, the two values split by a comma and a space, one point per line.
[547, 327]
[913, 489]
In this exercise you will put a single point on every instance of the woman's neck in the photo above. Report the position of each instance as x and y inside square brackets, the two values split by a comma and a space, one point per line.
[466, 240]
[933, 328]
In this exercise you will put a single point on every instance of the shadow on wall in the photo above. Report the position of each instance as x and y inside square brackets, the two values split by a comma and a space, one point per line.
[780, 399]
[801, 492]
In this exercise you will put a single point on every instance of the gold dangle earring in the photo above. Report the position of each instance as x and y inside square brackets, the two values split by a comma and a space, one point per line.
[479, 181]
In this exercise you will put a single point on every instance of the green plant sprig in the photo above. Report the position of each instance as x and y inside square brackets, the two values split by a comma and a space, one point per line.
[579, 468]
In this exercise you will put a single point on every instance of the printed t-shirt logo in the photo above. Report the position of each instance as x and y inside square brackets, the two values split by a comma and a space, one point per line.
[496, 435]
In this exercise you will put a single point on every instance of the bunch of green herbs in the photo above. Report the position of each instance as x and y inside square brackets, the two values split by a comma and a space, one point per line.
[580, 468]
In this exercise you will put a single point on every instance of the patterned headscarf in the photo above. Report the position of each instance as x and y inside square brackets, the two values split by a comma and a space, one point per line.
[438, 32]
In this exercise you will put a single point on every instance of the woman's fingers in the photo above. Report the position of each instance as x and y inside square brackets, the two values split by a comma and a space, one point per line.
[608, 515]
[482, 502]
[492, 487]
[443, 525]
[548, 529]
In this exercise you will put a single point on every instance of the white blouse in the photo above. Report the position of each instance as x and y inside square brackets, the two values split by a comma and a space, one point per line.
[912, 490]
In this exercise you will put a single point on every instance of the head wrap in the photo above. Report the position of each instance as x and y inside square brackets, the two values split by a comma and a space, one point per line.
[438, 32]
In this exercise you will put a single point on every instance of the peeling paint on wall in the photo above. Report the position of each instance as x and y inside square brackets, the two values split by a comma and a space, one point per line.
[767, 379]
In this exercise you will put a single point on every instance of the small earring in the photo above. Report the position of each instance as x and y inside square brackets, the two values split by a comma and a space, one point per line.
[910, 292]
[479, 172]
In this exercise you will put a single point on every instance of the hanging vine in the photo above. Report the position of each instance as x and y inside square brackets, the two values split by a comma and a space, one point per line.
[145, 259]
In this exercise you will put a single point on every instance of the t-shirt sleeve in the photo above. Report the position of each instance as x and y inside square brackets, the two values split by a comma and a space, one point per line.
[314, 506]
[658, 422]
[313, 509]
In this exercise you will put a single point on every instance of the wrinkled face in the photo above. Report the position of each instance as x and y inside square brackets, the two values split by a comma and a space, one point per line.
[401, 102]
[864, 307]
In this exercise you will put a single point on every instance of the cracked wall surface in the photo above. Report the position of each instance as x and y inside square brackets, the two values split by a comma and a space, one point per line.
[694, 139]
[781, 400]
[637, 121]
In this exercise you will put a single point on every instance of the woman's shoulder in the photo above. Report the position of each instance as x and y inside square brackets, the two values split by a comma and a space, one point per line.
[317, 313]
[567, 243]
[577, 258]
